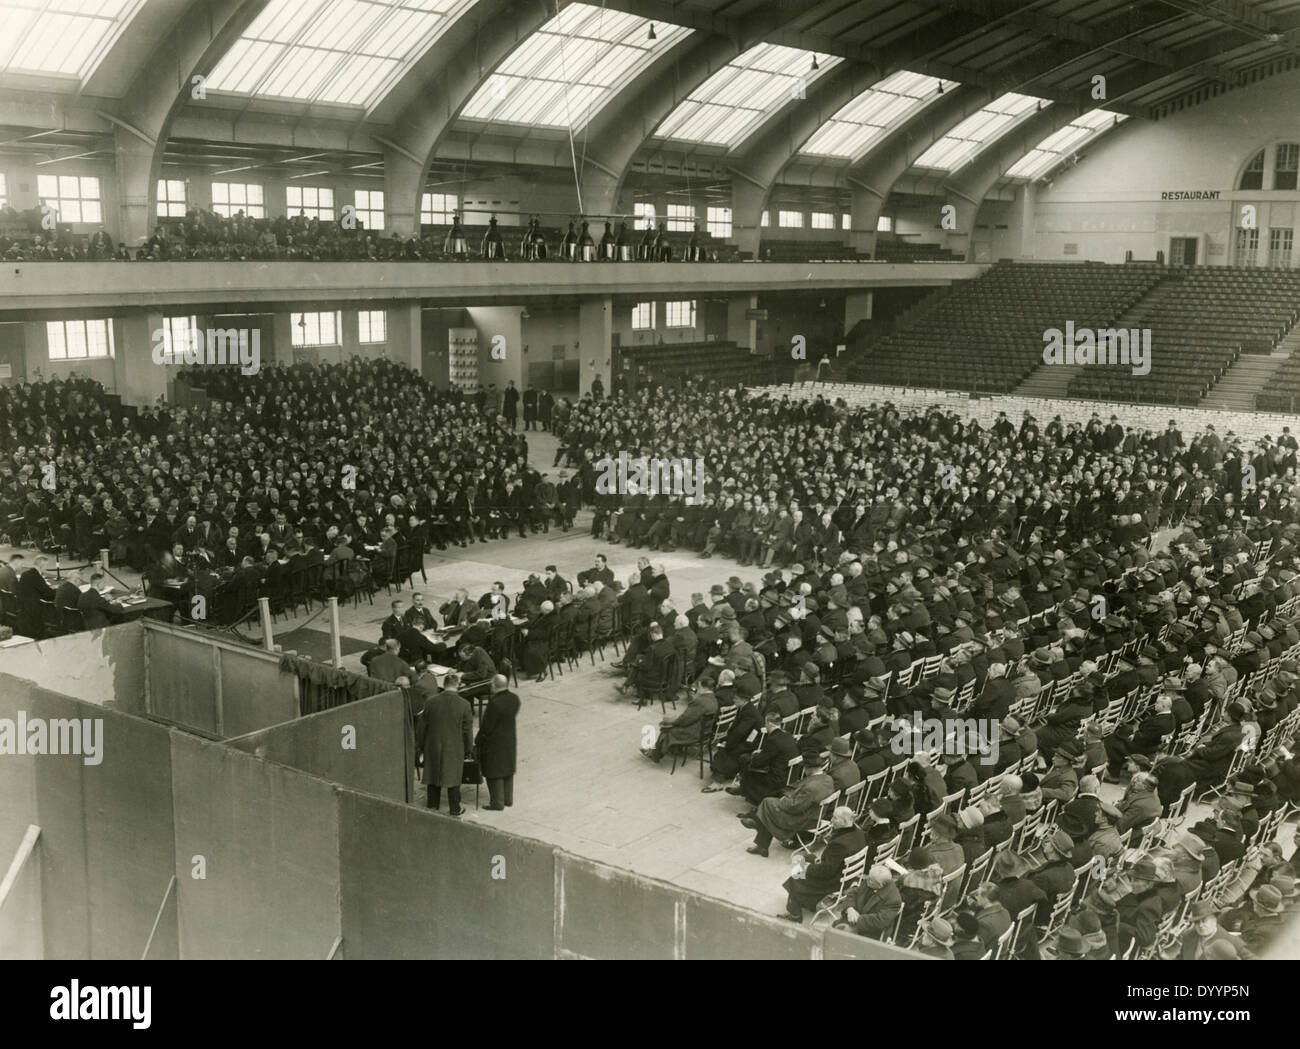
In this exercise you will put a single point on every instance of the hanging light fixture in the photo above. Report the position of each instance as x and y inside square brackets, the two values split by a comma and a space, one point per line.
[652, 32]
[815, 66]
[941, 87]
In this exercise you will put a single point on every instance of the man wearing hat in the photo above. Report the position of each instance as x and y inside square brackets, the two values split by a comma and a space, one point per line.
[1015, 890]
[1203, 932]
[806, 888]
[1069, 945]
[875, 909]
[1056, 874]
[840, 767]
[1260, 921]
[1061, 781]
[741, 740]
[942, 846]
[991, 916]
[785, 817]
[1141, 911]
[1210, 760]
[967, 946]
[764, 774]
[936, 938]
[779, 696]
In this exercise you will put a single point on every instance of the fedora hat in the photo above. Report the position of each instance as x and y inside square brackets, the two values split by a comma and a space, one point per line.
[1069, 943]
[1009, 864]
[940, 931]
[1268, 899]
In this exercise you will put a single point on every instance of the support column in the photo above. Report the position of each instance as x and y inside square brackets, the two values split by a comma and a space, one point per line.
[1027, 248]
[138, 380]
[747, 200]
[405, 336]
[403, 185]
[133, 157]
[740, 329]
[865, 208]
[500, 345]
[958, 239]
[282, 329]
[857, 307]
[595, 339]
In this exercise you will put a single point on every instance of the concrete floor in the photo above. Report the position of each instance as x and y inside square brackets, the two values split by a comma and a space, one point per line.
[575, 732]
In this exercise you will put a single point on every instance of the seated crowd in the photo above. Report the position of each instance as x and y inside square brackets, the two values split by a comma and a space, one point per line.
[1004, 575]
[314, 462]
[203, 235]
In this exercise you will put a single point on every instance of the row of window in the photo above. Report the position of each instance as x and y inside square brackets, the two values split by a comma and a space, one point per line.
[88, 339]
[1246, 249]
[76, 198]
[1286, 164]
[675, 315]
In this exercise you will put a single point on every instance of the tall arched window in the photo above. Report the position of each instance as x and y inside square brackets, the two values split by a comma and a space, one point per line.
[1252, 177]
[1286, 161]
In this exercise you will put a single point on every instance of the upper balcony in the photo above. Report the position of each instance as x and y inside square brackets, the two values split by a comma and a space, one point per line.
[38, 286]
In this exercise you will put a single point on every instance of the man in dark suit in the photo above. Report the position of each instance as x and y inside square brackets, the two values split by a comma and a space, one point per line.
[389, 665]
[32, 590]
[9, 573]
[684, 730]
[393, 625]
[764, 774]
[741, 739]
[96, 611]
[444, 736]
[496, 742]
[67, 592]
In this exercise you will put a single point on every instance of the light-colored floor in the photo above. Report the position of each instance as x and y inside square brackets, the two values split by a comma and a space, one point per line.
[582, 783]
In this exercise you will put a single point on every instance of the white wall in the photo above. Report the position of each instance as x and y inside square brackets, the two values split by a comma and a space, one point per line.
[1111, 201]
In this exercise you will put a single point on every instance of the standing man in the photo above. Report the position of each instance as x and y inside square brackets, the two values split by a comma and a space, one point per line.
[530, 408]
[546, 409]
[444, 735]
[510, 404]
[496, 744]
[32, 590]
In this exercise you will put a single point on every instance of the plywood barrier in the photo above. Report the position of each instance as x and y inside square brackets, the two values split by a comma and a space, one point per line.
[106, 827]
[416, 884]
[257, 855]
[363, 745]
[104, 667]
[215, 687]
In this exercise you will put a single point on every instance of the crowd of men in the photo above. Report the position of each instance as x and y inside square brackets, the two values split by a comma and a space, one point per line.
[356, 459]
[203, 235]
[919, 534]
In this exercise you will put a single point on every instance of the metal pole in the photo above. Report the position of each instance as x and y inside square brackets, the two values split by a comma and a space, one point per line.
[103, 559]
[335, 647]
[264, 608]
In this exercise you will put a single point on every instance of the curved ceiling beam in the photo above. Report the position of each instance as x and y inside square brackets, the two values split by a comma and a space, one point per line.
[426, 102]
[162, 86]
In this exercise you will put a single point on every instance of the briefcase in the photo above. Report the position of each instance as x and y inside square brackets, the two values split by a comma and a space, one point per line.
[472, 772]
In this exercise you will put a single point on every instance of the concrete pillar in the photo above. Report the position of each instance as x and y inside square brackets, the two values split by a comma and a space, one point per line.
[857, 307]
[595, 339]
[740, 329]
[747, 200]
[500, 345]
[133, 161]
[403, 186]
[405, 336]
[282, 327]
[1028, 203]
[138, 380]
[867, 203]
[958, 239]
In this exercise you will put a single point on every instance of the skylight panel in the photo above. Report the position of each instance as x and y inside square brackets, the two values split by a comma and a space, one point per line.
[60, 37]
[731, 103]
[968, 138]
[860, 123]
[1056, 146]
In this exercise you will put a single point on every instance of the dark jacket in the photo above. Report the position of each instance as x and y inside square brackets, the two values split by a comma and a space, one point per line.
[496, 739]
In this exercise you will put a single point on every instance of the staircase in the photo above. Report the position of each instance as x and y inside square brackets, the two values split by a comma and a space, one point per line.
[1048, 380]
[1248, 376]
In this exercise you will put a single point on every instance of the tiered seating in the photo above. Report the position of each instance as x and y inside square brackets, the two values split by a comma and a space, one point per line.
[808, 251]
[1283, 393]
[987, 334]
[908, 251]
[512, 235]
[1201, 320]
[723, 363]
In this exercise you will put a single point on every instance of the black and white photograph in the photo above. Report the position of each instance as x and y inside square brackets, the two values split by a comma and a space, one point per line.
[650, 480]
